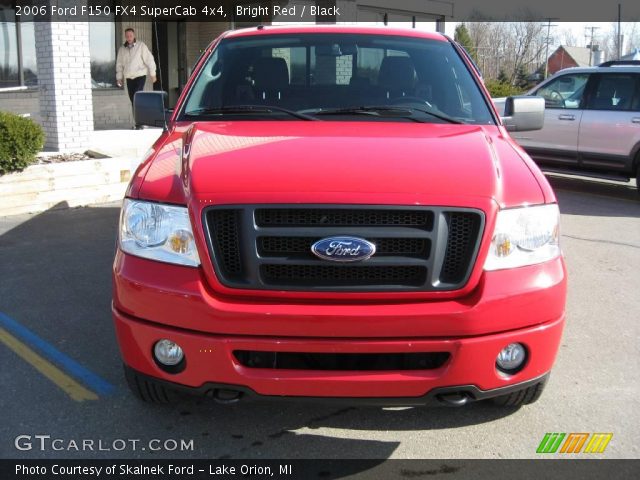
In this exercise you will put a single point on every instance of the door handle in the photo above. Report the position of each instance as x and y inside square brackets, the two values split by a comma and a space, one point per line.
[635, 120]
[566, 117]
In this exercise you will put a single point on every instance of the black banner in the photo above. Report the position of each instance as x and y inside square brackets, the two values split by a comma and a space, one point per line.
[296, 11]
[549, 469]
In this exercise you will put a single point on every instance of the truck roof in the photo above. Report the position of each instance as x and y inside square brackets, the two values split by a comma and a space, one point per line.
[372, 30]
[600, 69]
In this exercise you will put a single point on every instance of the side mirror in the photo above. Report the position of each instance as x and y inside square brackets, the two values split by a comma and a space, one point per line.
[523, 113]
[149, 109]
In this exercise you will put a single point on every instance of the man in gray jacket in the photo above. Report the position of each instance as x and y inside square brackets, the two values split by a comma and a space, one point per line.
[133, 63]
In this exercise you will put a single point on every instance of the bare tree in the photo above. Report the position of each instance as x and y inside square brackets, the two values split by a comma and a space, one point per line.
[608, 39]
[568, 37]
[488, 40]
[517, 47]
[527, 42]
[508, 47]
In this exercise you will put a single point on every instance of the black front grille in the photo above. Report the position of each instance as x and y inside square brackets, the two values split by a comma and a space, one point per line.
[417, 248]
[322, 275]
[301, 246]
[463, 234]
[341, 361]
[328, 217]
[225, 226]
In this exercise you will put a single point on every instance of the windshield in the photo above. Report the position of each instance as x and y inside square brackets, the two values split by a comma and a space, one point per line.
[336, 77]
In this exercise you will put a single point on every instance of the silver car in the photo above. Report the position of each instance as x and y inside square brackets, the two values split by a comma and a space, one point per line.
[591, 122]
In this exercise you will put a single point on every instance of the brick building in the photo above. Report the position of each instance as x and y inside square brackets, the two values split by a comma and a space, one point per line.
[62, 74]
[566, 57]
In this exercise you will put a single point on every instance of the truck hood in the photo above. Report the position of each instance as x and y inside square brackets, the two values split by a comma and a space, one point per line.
[367, 162]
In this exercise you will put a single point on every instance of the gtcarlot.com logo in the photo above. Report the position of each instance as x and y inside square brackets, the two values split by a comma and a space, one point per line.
[574, 442]
[46, 443]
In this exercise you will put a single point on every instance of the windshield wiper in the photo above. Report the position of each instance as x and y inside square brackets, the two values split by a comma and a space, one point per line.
[375, 111]
[231, 109]
[441, 116]
[404, 111]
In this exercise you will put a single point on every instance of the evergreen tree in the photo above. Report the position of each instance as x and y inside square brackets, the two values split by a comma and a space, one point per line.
[521, 79]
[463, 38]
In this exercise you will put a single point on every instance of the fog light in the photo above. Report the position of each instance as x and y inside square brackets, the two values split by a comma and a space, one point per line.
[168, 353]
[511, 358]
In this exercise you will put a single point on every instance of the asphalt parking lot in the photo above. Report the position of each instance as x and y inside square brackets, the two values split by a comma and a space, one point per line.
[55, 284]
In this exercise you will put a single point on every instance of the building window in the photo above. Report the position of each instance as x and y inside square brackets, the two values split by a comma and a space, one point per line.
[102, 50]
[18, 65]
[28, 51]
[9, 72]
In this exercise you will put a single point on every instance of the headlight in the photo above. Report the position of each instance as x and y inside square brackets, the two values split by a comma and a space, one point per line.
[524, 236]
[158, 232]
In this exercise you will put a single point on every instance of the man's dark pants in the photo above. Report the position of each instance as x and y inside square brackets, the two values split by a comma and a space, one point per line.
[135, 85]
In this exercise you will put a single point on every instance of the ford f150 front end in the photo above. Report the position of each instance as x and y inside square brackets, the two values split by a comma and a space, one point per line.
[338, 213]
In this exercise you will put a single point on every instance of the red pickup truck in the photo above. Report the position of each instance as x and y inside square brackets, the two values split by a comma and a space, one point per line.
[338, 213]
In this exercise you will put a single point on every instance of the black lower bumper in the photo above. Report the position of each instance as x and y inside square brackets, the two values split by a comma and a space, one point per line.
[454, 396]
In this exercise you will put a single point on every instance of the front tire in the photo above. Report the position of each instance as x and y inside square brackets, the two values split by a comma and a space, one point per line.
[521, 397]
[148, 391]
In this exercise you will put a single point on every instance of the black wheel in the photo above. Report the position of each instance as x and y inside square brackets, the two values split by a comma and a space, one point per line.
[149, 391]
[638, 180]
[521, 397]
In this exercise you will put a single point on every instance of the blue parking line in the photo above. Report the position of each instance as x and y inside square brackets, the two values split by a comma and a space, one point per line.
[70, 366]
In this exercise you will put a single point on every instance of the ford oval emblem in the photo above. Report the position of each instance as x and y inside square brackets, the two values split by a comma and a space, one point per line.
[343, 249]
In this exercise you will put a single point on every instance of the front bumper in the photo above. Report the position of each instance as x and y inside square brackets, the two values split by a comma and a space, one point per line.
[209, 358]
[154, 301]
